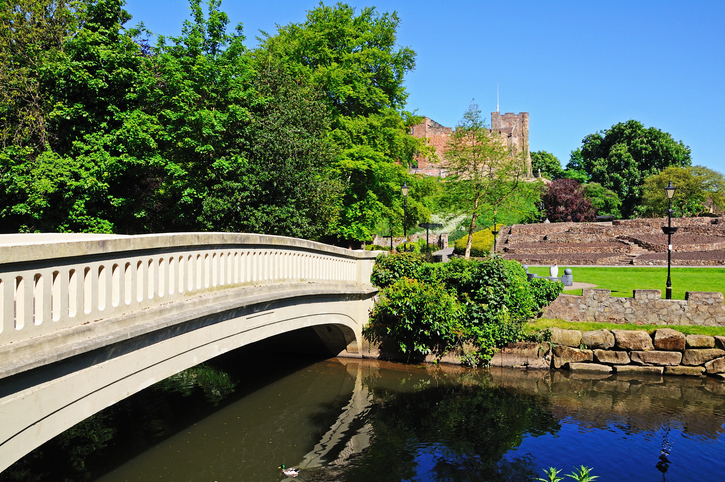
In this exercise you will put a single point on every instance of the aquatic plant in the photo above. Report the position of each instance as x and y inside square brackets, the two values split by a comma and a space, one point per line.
[552, 475]
[583, 475]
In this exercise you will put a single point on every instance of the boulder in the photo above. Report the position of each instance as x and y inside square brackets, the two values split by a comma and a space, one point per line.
[700, 341]
[567, 354]
[662, 358]
[589, 367]
[701, 356]
[522, 355]
[566, 337]
[632, 340]
[720, 342]
[715, 366]
[611, 357]
[598, 339]
[685, 371]
[634, 369]
[669, 339]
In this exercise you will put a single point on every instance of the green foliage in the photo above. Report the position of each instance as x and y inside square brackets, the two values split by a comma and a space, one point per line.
[551, 475]
[421, 318]
[696, 188]
[548, 163]
[481, 246]
[621, 157]
[486, 303]
[390, 268]
[545, 291]
[483, 172]
[604, 201]
[188, 136]
[583, 474]
[354, 60]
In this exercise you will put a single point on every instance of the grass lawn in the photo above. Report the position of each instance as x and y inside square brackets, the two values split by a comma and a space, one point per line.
[541, 324]
[622, 281]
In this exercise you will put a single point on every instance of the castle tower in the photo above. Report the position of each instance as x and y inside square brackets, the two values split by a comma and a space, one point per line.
[437, 136]
[515, 129]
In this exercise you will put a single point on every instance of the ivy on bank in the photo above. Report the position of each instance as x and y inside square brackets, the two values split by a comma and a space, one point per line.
[435, 307]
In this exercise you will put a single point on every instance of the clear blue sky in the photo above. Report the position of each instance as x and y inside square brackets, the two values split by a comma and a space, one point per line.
[576, 67]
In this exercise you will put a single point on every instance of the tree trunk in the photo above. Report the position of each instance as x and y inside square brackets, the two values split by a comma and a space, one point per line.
[474, 216]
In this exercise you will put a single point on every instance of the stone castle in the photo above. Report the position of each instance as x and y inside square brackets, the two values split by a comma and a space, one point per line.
[513, 129]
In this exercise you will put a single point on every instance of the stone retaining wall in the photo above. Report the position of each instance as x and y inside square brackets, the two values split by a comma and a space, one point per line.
[646, 307]
[566, 248]
[666, 352]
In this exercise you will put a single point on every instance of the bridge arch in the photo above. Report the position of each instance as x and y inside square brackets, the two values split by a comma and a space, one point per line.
[173, 315]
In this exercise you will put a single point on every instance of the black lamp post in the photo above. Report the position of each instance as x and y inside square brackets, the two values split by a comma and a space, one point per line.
[669, 231]
[404, 191]
[494, 231]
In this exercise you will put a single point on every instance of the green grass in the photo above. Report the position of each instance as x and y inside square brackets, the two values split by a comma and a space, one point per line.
[622, 281]
[541, 324]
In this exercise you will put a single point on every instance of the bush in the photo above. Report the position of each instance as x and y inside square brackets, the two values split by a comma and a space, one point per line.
[482, 243]
[487, 333]
[390, 268]
[545, 291]
[421, 318]
[484, 302]
[376, 247]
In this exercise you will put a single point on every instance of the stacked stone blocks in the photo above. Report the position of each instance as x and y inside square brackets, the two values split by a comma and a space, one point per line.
[667, 352]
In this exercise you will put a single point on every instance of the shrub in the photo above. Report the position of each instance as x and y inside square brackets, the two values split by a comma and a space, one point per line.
[482, 243]
[487, 332]
[565, 201]
[376, 247]
[390, 268]
[501, 285]
[545, 291]
[429, 307]
[421, 318]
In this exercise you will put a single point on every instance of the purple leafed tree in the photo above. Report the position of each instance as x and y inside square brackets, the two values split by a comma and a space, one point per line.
[564, 200]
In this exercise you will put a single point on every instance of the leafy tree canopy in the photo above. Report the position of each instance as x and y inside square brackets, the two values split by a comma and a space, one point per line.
[548, 164]
[189, 135]
[604, 201]
[698, 189]
[353, 58]
[564, 200]
[621, 157]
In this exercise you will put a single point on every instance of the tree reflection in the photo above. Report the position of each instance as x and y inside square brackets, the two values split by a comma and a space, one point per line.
[451, 432]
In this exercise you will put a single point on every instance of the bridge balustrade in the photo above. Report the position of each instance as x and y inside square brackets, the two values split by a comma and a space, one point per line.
[68, 281]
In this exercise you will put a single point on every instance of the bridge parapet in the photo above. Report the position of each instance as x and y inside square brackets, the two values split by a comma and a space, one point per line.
[54, 282]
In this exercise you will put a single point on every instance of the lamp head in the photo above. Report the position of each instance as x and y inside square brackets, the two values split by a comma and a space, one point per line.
[404, 189]
[670, 190]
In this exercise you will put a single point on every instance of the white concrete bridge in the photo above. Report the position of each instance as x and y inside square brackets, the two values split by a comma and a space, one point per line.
[88, 320]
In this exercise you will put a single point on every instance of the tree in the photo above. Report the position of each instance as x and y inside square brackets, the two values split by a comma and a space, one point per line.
[564, 200]
[61, 176]
[697, 188]
[604, 201]
[548, 164]
[353, 59]
[482, 171]
[32, 33]
[621, 157]
[574, 168]
[187, 137]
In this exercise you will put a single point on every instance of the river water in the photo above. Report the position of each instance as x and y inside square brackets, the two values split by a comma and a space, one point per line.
[246, 413]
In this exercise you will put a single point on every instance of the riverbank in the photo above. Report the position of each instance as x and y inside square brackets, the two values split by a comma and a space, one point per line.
[603, 351]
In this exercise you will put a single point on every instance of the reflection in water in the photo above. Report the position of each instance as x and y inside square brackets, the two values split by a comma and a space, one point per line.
[358, 420]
